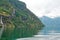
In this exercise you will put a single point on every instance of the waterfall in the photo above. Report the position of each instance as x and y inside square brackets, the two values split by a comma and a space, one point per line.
[2, 29]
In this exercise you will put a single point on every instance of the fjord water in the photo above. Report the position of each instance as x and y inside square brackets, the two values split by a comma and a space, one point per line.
[43, 37]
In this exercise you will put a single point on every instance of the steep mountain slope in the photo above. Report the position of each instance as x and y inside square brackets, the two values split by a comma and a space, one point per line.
[18, 21]
[51, 24]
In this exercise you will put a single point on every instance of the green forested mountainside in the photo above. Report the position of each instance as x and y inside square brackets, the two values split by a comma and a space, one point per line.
[18, 21]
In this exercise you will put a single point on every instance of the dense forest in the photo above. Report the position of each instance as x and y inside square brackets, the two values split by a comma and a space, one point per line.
[16, 21]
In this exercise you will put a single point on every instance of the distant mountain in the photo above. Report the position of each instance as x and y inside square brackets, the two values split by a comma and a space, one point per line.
[51, 25]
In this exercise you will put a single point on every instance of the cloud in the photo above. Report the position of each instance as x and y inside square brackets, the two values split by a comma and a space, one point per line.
[44, 7]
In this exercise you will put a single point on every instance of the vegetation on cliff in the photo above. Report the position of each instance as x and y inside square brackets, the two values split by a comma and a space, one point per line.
[18, 21]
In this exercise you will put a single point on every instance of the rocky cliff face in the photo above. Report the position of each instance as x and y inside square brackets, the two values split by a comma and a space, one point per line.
[18, 21]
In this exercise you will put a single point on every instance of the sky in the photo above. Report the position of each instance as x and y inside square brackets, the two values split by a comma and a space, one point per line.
[50, 8]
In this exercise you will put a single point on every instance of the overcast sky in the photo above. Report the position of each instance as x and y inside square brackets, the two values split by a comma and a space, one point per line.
[50, 8]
